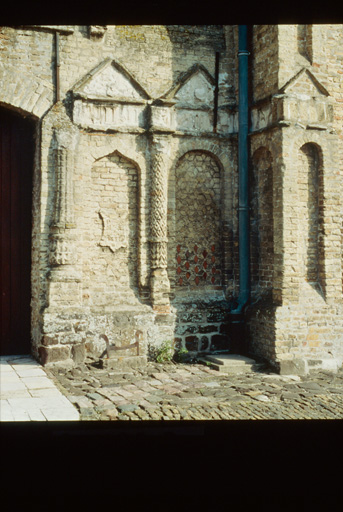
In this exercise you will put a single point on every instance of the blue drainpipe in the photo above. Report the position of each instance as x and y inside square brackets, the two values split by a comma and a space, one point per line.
[237, 315]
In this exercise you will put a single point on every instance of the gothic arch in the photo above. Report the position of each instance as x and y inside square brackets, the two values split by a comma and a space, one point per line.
[118, 147]
[218, 153]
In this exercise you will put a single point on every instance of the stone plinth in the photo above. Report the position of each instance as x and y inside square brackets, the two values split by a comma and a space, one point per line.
[231, 363]
[123, 362]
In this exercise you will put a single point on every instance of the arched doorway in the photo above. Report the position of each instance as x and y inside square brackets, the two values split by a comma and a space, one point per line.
[16, 172]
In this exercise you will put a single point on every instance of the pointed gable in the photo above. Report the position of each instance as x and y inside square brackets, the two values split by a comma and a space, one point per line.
[110, 81]
[194, 89]
[304, 83]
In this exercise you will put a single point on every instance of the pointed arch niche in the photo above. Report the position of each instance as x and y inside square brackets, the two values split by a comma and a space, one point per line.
[311, 216]
[111, 211]
[195, 255]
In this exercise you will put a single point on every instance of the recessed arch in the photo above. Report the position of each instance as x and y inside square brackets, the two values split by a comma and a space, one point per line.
[110, 221]
[261, 221]
[311, 215]
[195, 245]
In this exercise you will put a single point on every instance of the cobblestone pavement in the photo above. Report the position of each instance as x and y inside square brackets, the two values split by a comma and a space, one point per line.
[169, 391]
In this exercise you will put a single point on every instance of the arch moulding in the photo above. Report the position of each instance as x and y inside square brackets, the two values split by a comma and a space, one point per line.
[219, 153]
[26, 93]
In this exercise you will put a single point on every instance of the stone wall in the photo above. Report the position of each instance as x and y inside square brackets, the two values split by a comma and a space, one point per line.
[101, 176]
[135, 199]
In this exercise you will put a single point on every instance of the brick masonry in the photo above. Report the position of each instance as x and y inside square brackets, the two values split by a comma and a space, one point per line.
[135, 198]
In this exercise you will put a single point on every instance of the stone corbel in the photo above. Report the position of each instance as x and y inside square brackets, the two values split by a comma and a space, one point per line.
[159, 282]
[97, 31]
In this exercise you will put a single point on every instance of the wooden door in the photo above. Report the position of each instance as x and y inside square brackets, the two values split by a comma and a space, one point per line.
[16, 170]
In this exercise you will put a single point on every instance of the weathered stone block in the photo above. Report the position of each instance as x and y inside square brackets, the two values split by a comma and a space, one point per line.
[190, 317]
[216, 316]
[192, 343]
[164, 319]
[53, 354]
[182, 330]
[49, 340]
[122, 363]
[78, 353]
[293, 367]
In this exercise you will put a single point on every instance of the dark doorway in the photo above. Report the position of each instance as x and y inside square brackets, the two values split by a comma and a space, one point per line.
[16, 171]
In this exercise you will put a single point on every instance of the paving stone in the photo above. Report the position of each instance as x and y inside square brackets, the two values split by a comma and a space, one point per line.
[20, 415]
[80, 401]
[313, 386]
[87, 413]
[127, 407]
[46, 392]
[212, 384]
[173, 394]
[262, 398]
[94, 396]
[30, 372]
[153, 399]
[142, 414]
[111, 413]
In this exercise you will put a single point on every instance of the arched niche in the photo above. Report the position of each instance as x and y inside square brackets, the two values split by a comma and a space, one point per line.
[195, 248]
[111, 232]
[311, 216]
[261, 221]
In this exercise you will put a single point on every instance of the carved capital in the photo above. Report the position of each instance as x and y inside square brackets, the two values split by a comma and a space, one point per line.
[161, 145]
[65, 137]
[162, 118]
[62, 250]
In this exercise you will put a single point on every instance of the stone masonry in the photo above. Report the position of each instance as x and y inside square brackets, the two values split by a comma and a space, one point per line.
[135, 196]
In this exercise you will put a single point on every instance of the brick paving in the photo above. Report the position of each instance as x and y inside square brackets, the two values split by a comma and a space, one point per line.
[169, 391]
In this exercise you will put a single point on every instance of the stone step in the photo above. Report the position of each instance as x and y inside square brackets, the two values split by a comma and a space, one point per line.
[123, 362]
[231, 363]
